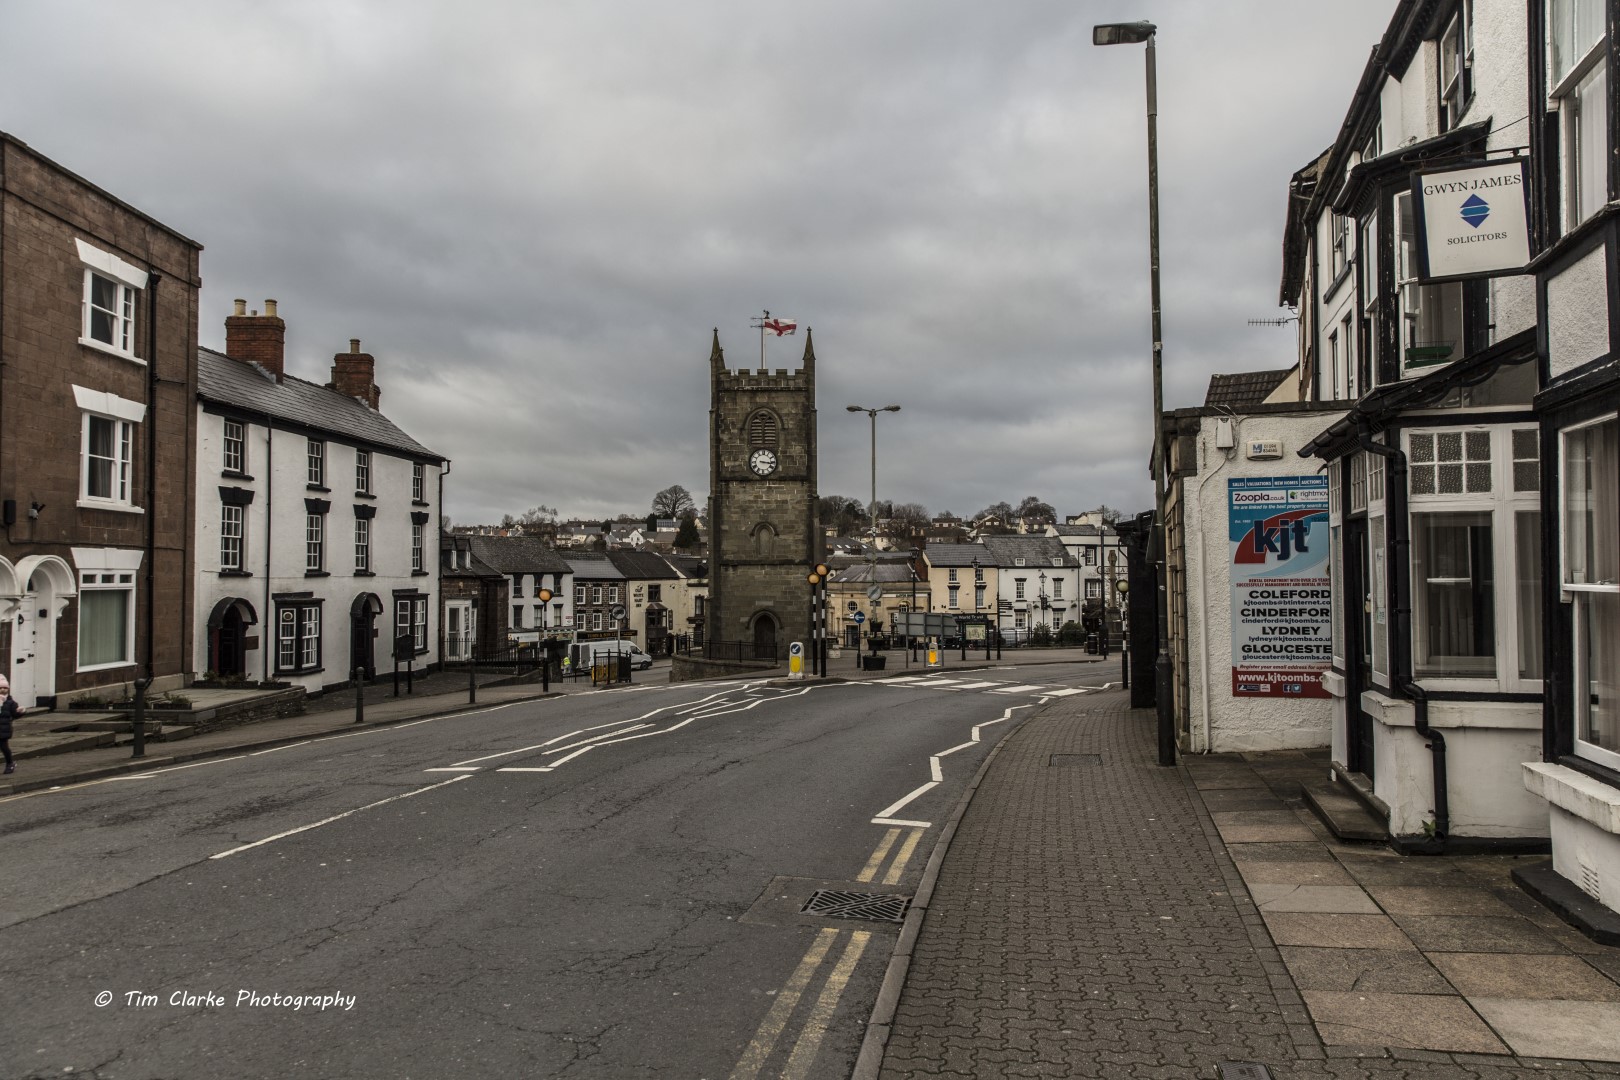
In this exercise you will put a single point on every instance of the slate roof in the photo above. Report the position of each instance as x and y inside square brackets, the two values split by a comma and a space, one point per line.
[300, 403]
[1078, 530]
[890, 572]
[1034, 550]
[594, 568]
[1244, 389]
[690, 566]
[642, 566]
[958, 555]
[518, 555]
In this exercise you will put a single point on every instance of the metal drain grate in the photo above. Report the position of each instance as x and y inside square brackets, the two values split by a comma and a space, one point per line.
[1244, 1070]
[1072, 761]
[853, 905]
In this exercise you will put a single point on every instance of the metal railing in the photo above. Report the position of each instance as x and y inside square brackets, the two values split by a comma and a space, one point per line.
[739, 650]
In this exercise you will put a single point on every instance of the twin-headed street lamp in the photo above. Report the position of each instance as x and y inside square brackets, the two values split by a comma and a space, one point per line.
[1133, 34]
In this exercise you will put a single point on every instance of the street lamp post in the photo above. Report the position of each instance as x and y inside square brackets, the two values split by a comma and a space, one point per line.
[1130, 34]
[871, 507]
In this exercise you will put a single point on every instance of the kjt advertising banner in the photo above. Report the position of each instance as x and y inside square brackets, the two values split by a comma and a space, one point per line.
[1472, 220]
[1282, 617]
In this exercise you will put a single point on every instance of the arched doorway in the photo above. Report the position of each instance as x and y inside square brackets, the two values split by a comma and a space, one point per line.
[363, 635]
[764, 636]
[48, 583]
[228, 638]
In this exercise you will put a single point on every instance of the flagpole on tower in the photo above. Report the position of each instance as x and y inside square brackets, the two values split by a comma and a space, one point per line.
[777, 326]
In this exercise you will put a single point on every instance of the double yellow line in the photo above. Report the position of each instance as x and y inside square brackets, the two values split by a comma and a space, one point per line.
[808, 1045]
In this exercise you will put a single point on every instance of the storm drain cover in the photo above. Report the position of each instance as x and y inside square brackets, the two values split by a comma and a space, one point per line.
[854, 905]
[1073, 761]
[1244, 1070]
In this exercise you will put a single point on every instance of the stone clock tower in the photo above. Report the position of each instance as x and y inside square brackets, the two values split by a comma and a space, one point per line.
[764, 537]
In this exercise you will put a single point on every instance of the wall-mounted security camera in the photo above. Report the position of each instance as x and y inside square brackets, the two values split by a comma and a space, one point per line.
[34, 509]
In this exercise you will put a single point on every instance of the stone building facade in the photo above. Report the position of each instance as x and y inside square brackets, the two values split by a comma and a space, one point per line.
[98, 340]
[764, 536]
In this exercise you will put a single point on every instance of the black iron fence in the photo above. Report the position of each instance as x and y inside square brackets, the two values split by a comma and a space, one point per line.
[736, 650]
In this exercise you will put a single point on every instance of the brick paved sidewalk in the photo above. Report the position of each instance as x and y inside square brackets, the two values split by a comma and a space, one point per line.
[1088, 922]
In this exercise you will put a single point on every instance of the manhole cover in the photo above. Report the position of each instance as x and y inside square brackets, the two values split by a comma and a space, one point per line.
[1244, 1070]
[853, 905]
[1074, 761]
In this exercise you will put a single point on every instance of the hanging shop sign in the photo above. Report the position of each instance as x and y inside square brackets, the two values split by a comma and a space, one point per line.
[1282, 614]
[1472, 220]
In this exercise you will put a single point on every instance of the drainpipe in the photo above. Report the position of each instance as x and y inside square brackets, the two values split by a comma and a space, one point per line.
[269, 639]
[1400, 641]
[152, 280]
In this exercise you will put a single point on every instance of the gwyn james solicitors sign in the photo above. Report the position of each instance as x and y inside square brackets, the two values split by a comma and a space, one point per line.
[1282, 614]
[1472, 220]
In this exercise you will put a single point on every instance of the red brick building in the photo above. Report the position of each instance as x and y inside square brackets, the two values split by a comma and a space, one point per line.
[98, 346]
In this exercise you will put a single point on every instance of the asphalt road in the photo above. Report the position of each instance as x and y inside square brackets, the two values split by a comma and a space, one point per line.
[603, 885]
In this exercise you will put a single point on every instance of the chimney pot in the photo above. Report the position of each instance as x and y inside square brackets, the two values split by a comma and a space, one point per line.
[354, 344]
[270, 308]
[241, 308]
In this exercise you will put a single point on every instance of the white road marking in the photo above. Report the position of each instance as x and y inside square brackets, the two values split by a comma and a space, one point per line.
[1017, 689]
[1068, 692]
[273, 749]
[980, 685]
[335, 817]
[455, 768]
[517, 768]
[891, 810]
[903, 824]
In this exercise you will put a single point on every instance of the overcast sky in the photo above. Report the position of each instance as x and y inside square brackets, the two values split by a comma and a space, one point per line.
[533, 214]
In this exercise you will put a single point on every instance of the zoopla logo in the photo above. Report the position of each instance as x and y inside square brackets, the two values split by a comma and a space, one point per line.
[1475, 210]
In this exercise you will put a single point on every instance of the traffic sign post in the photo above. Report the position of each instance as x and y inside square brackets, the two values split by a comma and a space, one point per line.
[796, 660]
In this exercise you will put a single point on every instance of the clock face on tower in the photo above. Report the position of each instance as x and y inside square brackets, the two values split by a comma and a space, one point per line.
[762, 462]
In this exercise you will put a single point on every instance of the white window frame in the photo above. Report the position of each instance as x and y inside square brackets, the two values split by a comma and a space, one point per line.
[122, 464]
[314, 543]
[1456, 43]
[1335, 472]
[1416, 328]
[298, 637]
[315, 452]
[1504, 505]
[233, 446]
[232, 537]
[952, 602]
[362, 545]
[1579, 595]
[105, 580]
[1093, 589]
[417, 547]
[362, 472]
[1564, 97]
[126, 279]
[418, 482]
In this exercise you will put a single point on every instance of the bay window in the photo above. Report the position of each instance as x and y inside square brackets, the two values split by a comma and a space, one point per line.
[1591, 583]
[1476, 557]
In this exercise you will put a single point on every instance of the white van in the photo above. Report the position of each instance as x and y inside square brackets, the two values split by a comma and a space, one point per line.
[585, 654]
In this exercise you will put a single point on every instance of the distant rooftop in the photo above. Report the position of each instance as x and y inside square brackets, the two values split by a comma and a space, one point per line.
[1245, 388]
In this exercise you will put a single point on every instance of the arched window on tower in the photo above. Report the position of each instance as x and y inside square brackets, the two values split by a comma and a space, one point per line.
[762, 428]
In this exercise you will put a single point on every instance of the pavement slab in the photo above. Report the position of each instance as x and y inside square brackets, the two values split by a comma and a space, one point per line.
[1513, 975]
[1341, 899]
[1439, 900]
[1418, 1021]
[1475, 934]
[1571, 1029]
[1334, 931]
[1390, 971]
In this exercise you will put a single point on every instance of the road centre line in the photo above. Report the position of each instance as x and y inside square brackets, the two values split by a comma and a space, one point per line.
[770, 1029]
[335, 817]
[809, 1042]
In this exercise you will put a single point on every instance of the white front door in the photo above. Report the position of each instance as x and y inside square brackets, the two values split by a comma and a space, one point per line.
[24, 642]
[457, 631]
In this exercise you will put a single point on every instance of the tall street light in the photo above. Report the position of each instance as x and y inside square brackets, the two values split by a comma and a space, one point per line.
[1132, 34]
[871, 507]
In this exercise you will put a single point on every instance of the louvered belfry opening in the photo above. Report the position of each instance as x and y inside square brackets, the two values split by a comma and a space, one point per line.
[762, 429]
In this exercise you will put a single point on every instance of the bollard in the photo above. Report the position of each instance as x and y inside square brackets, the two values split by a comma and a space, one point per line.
[359, 675]
[140, 717]
[472, 681]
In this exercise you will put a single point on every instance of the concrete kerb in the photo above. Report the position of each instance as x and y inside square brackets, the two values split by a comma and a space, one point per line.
[869, 1063]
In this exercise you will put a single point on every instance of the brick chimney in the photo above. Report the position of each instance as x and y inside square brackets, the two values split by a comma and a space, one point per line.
[353, 373]
[258, 339]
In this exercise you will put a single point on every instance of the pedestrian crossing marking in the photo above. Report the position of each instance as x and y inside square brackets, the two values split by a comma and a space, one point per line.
[1017, 689]
[1066, 692]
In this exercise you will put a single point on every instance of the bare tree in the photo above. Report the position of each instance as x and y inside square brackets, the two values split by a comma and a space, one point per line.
[673, 502]
[908, 520]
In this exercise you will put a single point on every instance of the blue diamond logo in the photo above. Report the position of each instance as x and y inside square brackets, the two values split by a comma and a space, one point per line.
[1475, 211]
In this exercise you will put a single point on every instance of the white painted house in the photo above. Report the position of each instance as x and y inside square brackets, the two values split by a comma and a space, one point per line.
[317, 519]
